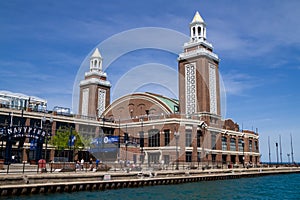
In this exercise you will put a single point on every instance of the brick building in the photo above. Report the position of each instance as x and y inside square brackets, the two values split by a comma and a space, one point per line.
[154, 128]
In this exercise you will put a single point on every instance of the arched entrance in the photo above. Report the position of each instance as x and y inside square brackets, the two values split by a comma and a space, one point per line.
[17, 135]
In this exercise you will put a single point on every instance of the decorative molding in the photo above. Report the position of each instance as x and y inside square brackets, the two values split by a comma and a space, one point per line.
[95, 81]
[97, 73]
[101, 101]
[190, 88]
[213, 88]
[85, 102]
[198, 52]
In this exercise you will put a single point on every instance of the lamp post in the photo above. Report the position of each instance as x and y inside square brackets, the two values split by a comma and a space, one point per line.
[288, 155]
[126, 141]
[43, 124]
[176, 134]
[47, 134]
[243, 145]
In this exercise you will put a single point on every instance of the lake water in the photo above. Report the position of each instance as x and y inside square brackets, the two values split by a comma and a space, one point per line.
[265, 187]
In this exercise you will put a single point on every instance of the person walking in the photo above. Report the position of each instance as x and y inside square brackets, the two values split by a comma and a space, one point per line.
[97, 163]
[91, 164]
[81, 163]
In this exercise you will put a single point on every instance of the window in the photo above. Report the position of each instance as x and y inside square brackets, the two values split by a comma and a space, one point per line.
[167, 159]
[232, 144]
[154, 139]
[188, 138]
[256, 146]
[224, 143]
[188, 156]
[167, 137]
[250, 145]
[213, 140]
[199, 134]
[240, 144]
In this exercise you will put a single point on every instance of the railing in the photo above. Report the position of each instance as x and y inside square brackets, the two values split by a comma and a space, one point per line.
[86, 167]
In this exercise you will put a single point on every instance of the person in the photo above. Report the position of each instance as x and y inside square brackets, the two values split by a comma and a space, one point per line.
[77, 165]
[97, 163]
[91, 163]
[81, 163]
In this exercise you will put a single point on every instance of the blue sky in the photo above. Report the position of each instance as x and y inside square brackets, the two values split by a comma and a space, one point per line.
[43, 43]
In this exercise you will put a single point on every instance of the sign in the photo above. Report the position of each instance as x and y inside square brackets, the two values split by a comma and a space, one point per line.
[106, 140]
[20, 131]
[107, 177]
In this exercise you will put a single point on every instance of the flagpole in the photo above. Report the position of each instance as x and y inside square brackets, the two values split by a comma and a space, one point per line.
[269, 150]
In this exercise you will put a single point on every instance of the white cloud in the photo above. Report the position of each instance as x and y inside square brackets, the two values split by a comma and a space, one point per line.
[238, 83]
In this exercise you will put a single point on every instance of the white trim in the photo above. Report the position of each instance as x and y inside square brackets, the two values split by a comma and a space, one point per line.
[198, 52]
[95, 81]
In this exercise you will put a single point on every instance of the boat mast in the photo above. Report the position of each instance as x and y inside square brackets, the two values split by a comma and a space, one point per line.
[292, 150]
[269, 150]
[280, 149]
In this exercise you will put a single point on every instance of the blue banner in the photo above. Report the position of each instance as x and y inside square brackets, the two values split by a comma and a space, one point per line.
[32, 145]
[105, 140]
[72, 139]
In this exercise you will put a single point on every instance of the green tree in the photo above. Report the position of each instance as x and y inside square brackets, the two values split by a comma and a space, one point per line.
[61, 138]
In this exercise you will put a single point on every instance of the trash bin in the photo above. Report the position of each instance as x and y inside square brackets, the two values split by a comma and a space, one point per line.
[42, 165]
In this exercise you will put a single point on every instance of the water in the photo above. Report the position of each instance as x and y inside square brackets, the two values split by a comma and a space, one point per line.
[265, 187]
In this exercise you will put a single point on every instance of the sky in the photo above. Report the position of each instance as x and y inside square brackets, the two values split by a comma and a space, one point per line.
[43, 46]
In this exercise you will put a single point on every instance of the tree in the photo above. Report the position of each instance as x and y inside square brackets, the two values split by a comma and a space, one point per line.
[62, 136]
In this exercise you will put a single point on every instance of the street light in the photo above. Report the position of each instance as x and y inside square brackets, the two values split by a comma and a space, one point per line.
[288, 155]
[44, 123]
[176, 134]
[47, 134]
[243, 145]
[126, 140]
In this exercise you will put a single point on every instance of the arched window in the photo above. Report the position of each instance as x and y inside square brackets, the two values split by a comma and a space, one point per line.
[199, 30]
[194, 31]
[95, 63]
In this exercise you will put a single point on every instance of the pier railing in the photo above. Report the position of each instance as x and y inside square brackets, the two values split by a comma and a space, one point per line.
[55, 167]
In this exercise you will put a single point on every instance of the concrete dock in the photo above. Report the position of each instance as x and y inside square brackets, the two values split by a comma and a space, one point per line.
[25, 184]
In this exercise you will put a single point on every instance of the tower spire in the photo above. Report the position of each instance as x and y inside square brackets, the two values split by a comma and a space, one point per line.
[96, 61]
[197, 28]
[197, 18]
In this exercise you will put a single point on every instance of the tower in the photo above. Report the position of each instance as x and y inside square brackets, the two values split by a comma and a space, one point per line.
[94, 89]
[198, 67]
